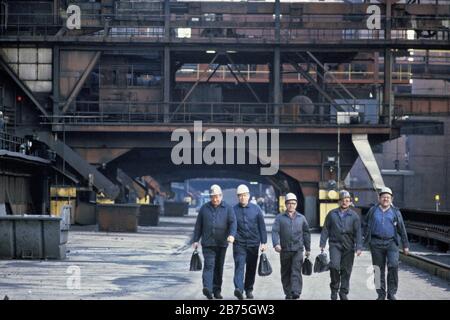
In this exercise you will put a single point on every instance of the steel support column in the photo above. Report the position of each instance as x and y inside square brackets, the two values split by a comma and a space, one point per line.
[166, 64]
[167, 79]
[277, 20]
[55, 11]
[376, 76]
[277, 98]
[320, 79]
[55, 80]
[445, 199]
[387, 89]
[388, 22]
[167, 20]
[277, 91]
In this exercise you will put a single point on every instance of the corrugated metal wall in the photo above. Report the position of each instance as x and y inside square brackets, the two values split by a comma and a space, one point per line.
[16, 191]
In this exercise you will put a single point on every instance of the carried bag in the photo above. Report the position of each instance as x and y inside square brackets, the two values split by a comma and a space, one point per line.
[196, 262]
[307, 267]
[322, 263]
[264, 267]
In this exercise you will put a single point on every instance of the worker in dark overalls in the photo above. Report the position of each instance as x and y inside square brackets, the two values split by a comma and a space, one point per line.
[342, 229]
[216, 226]
[251, 237]
[384, 230]
[290, 234]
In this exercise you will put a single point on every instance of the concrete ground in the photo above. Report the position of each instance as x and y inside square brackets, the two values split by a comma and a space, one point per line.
[154, 264]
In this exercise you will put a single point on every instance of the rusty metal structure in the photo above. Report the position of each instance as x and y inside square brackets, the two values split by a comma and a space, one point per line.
[106, 95]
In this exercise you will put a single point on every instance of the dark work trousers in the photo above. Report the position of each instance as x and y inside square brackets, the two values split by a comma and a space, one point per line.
[245, 257]
[291, 271]
[213, 270]
[341, 265]
[385, 251]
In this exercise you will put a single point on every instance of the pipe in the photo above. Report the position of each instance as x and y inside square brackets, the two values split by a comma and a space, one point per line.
[5, 14]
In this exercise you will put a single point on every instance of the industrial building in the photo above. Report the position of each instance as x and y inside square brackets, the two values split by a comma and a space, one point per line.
[351, 94]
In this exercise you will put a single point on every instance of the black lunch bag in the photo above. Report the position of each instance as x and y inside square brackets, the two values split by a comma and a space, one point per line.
[322, 263]
[196, 261]
[307, 267]
[264, 267]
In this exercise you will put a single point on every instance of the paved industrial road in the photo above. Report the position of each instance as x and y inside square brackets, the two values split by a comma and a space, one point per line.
[154, 264]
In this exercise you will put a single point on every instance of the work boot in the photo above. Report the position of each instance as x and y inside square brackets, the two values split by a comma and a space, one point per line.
[238, 294]
[295, 296]
[249, 294]
[381, 297]
[217, 295]
[343, 296]
[333, 295]
[288, 297]
[207, 293]
[391, 297]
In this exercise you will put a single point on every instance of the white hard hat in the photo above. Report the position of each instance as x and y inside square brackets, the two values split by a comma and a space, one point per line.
[242, 189]
[290, 196]
[215, 190]
[385, 190]
[344, 194]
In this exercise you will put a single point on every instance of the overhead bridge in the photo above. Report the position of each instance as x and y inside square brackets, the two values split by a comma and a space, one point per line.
[422, 105]
[243, 23]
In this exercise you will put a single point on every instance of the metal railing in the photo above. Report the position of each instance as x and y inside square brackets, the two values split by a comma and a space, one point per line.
[10, 142]
[237, 27]
[258, 114]
[402, 74]
[413, 105]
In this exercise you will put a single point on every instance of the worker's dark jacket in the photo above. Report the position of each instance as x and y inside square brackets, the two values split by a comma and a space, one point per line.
[214, 225]
[401, 235]
[251, 229]
[345, 232]
[291, 234]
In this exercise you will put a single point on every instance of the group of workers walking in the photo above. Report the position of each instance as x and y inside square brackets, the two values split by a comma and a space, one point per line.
[218, 224]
